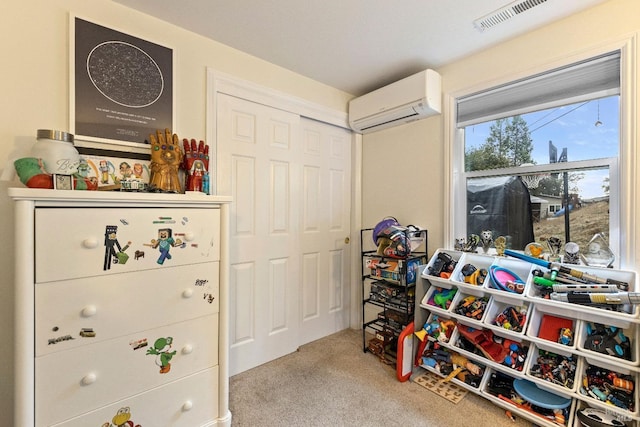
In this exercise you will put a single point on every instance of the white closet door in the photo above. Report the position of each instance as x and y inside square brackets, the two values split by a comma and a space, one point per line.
[324, 229]
[290, 180]
[257, 157]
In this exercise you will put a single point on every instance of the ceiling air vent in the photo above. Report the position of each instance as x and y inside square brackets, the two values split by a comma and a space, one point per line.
[505, 13]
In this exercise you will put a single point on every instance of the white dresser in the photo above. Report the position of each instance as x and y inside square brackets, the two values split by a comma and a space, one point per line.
[121, 309]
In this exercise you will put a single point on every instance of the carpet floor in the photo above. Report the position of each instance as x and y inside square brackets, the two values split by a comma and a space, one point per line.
[332, 382]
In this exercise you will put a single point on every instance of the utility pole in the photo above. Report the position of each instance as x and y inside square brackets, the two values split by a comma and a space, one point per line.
[553, 152]
[565, 178]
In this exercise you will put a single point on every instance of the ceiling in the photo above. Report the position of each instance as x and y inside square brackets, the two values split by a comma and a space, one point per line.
[355, 45]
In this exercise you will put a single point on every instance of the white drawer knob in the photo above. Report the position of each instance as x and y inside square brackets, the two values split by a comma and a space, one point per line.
[187, 293]
[90, 243]
[186, 406]
[187, 349]
[189, 236]
[89, 311]
[89, 379]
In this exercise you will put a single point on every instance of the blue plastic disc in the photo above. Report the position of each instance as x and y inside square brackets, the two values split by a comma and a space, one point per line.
[542, 398]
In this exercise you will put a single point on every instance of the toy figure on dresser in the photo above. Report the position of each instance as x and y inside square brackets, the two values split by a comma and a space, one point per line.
[166, 158]
[196, 164]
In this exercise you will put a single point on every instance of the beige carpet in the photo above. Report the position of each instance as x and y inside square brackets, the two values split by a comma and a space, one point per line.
[331, 382]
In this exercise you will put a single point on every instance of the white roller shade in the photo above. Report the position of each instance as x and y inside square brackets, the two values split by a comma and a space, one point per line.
[590, 79]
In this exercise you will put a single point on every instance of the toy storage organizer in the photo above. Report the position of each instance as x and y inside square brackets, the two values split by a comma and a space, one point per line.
[388, 293]
[452, 300]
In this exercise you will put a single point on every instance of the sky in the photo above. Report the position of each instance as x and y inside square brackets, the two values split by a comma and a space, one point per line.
[571, 127]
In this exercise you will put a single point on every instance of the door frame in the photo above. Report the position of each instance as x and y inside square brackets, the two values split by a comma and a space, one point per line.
[219, 82]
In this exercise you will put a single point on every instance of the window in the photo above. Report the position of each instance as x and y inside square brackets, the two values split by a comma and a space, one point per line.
[538, 157]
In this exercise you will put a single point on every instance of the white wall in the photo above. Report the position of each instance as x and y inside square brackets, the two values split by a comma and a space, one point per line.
[413, 191]
[35, 85]
[399, 178]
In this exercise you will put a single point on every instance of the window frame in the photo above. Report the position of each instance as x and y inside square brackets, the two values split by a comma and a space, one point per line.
[622, 170]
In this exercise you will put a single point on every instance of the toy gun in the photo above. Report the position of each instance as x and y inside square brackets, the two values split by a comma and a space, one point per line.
[614, 298]
[556, 268]
[563, 287]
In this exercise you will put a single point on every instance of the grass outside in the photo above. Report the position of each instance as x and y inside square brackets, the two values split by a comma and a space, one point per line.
[584, 222]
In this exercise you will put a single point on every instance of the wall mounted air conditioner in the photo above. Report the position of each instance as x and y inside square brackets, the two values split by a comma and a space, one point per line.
[412, 98]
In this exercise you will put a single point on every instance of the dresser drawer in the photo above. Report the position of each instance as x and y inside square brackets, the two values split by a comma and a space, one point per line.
[76, 381]
[84, 311]
[189, 402]
[88, 242]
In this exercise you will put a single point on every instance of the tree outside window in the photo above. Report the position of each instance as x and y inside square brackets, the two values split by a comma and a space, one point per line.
[563, 157]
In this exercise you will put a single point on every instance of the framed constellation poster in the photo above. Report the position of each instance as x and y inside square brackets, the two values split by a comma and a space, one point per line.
[121, 88]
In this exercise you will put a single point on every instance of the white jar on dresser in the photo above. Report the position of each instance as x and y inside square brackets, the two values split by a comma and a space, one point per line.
[121, 309]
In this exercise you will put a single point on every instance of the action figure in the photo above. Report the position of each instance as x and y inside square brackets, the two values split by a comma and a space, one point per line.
[103, 166]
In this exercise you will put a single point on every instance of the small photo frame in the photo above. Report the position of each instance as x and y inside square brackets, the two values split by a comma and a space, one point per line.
[62, 182]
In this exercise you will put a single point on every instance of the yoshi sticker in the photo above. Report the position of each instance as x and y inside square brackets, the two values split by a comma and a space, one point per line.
[162, 350]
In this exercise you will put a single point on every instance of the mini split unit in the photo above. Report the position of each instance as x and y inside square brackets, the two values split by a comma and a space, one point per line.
[412, 98]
